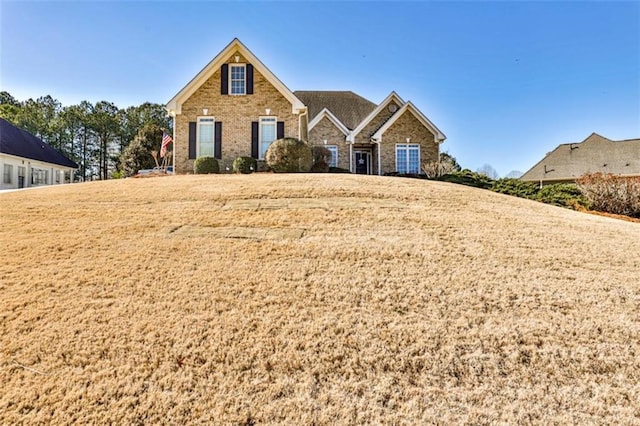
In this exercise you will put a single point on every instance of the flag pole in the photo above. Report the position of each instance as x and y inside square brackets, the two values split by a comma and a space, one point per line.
[173, 156]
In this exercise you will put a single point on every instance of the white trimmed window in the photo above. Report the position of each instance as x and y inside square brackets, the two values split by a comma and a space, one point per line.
[407, 158]
[333, 161]
[267, 134]
[39, 176]
[7, 173]
[238, 79]
[205, 136]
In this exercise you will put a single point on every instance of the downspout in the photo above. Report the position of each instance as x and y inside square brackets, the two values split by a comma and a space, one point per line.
[351, 157]
[379, 157]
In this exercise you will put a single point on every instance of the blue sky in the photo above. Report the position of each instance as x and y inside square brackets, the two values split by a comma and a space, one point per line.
[505, 81]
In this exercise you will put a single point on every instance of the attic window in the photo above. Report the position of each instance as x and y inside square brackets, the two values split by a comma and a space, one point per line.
[238, 79]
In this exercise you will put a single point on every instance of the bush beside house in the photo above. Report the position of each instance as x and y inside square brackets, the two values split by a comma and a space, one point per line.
[289, 155]
[245, 165]
[206, 165]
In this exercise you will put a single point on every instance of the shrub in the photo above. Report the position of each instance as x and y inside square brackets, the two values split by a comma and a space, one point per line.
[469, 178]
[118, 174]
[289, 155]
[321, 158]
[612, 194]
[515, 187]
[561, 194]
[435, 169]
[245, 165]
[205, 165]
[444, 166]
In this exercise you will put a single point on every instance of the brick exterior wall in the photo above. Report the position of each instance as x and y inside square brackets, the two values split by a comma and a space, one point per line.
[235, 112]
[325, 129]
[407, 126]
[364, 137]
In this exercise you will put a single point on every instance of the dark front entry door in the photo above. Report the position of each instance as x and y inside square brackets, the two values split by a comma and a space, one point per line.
[362, 163]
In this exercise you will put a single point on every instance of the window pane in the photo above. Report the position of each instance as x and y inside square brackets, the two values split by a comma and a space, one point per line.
[205, 138]
[401, 158]
[267, 134]
[414, 159]
[8, 172]
[237, 79]
[333, 162]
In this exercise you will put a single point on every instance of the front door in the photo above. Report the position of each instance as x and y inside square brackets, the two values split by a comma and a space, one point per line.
[362, 162]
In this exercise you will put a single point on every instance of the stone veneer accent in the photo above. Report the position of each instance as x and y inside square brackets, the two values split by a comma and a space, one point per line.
[407, 126]
[236, 112]
[325, 129]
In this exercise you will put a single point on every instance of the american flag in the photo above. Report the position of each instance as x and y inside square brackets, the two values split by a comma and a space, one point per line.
[166, 140]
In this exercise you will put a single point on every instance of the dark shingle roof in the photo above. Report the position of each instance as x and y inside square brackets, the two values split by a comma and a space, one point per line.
[595, 154]
[18, 142]
[347, 106]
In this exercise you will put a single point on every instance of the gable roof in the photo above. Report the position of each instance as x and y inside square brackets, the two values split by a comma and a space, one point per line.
[326, 113]
[18, 142]
[595, 154]
[348, 107]
[393, 96]
[440, 137]
[175, 104]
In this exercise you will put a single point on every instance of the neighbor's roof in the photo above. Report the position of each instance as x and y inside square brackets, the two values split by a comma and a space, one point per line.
[595, 154]
[175, 104]
[18, 142]
[346, 106]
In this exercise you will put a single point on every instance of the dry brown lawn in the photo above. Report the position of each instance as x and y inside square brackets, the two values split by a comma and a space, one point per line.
[313, 299]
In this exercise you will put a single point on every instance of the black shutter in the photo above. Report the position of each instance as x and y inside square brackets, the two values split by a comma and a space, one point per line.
[249, 79]
[192, 140]
[218, 140]
[224, 79]
[254, 139]
[280, 130]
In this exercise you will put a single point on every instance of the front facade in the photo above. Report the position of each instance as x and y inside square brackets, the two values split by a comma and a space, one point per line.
[596, 154]
[26, 161]
[236, 107]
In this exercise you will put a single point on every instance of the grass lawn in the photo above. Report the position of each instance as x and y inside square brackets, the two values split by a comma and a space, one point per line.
[313, 299]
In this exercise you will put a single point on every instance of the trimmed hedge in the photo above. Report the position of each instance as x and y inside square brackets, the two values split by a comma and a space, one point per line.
[289, 155]
[245, 165]
[206, 165]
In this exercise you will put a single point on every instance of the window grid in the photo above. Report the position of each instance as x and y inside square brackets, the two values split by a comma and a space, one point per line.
[408, 158]
[237, 79]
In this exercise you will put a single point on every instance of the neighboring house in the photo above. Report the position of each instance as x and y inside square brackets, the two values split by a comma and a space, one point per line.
[237, 107]
[596, 153]
[26, 161]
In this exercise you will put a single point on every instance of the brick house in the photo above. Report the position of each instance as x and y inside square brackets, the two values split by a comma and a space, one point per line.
[236, 107]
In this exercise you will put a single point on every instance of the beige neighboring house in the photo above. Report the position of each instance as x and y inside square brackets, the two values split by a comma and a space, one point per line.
[27, 161]
[237, 107]
[595, 154]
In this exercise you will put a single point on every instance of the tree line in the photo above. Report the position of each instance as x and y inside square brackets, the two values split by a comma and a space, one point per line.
[105, 141]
